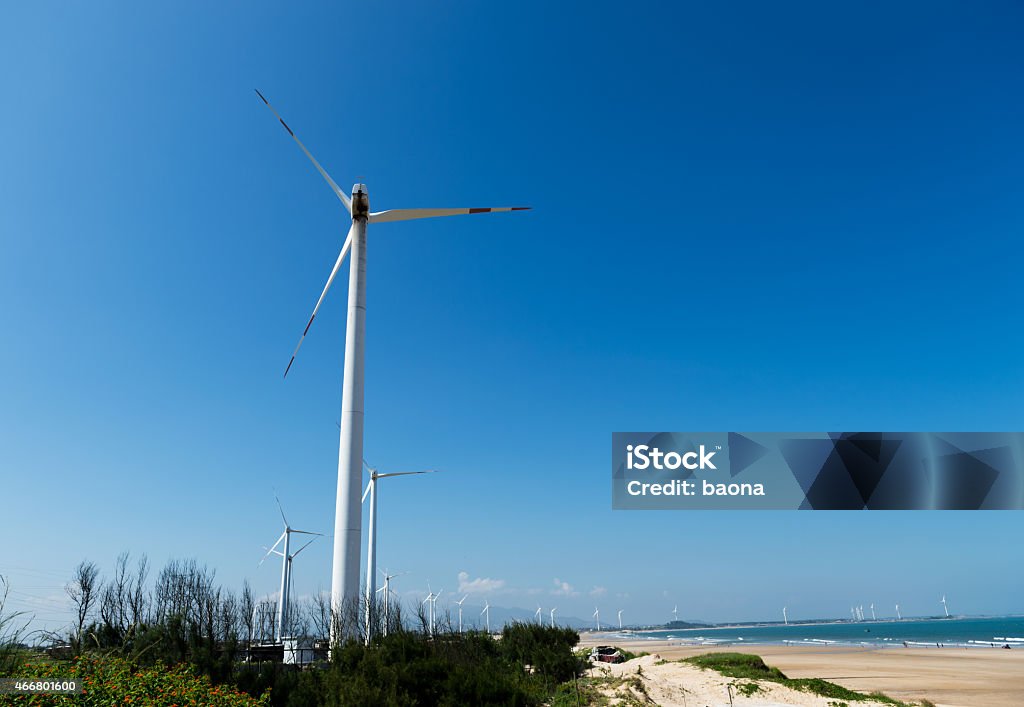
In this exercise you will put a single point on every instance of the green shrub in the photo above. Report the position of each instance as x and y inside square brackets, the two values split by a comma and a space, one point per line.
[111, 680]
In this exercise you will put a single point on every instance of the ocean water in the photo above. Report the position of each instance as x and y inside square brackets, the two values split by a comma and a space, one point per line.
[965, 632]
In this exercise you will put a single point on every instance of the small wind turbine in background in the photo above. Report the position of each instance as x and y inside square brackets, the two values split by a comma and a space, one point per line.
[898, 617]
[553, 609]
[785, 619]
[873, 612]
[944, 607]
[286, 569]
[620, 619]
[371, 554]
[597, 618]
[387, 595]
[487, 615]
[430, 601]
[536, 614]
[675, 613]
[433, 611]
[459, 602]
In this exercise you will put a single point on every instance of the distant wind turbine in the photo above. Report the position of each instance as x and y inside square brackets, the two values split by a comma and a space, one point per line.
[371, 550]
[431, 600]
[785, 619]
[944, 607]
[459, 602]
[387, 594]
[898, 617]
[536, 614]
[487, 615]
[620, 619]
[873, 612]
[675, 612]
[286, 569]
[553, 609]
[597, 618]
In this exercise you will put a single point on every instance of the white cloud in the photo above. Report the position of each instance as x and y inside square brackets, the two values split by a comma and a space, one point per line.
[564, 589]
[598, 591]
[480, 585]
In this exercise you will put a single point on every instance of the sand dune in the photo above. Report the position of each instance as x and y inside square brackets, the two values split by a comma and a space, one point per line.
[949, 677]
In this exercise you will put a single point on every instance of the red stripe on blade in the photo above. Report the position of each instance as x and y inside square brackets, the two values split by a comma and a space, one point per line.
[478, 211]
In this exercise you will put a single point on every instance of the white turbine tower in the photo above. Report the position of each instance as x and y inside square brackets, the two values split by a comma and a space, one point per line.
[675, 613]
[371, 553]
[347, 519]
[459, 602]
[286, 569]
[487, 615]
[597, 618]
[536, 615]
[620, 619]
[944, 607]
[553, 609]
[898, 617]
[873, 612]
[785, 619]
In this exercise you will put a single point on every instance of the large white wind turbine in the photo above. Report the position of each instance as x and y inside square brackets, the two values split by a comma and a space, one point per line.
[371, 551]
[347, 518]
[286, 569]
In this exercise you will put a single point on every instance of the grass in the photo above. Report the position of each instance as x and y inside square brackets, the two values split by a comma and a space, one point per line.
[751, 667]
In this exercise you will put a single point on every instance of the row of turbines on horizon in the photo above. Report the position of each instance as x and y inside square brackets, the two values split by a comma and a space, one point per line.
[287, 556]
[857, 612]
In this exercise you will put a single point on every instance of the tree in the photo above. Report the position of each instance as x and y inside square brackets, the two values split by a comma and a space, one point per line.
[84, 591]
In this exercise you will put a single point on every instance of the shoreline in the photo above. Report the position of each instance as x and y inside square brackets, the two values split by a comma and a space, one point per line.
[949, 677]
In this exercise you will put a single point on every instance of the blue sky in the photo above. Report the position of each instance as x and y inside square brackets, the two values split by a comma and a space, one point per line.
[796, 217]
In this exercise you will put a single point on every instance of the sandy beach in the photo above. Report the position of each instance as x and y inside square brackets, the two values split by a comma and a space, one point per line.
[949, 677]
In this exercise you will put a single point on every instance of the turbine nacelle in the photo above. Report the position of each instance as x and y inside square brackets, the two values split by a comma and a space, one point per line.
[360, 202]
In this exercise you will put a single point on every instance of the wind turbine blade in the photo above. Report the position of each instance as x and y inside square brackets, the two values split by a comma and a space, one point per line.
[337, 266]
[306, 532]
[281, 509]
[406, 473]
[272, 548]
[366, 492]
[410, 214]
[337, 190]
[304, 546]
